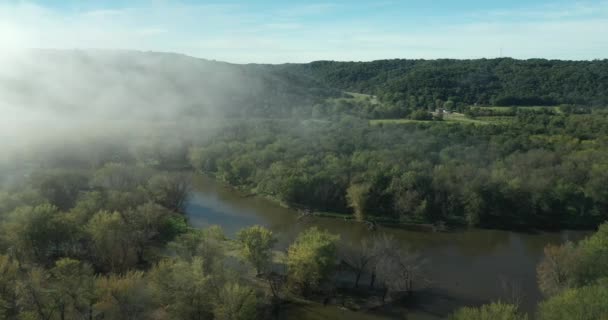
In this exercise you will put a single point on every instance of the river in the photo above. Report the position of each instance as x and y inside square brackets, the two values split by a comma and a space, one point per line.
[464, 268]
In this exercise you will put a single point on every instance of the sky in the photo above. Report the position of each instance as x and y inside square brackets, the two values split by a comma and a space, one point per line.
[302, 31]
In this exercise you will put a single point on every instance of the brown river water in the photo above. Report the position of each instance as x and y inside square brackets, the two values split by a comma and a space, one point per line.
[464, 268]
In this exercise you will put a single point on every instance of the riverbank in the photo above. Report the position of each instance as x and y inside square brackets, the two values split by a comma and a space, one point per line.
[371, 222]
[467, 268]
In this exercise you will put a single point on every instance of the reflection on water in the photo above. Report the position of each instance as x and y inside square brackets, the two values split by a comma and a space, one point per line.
[465, 268]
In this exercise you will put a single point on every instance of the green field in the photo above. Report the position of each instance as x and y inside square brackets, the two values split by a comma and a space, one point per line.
[500, 109]
[453, 118]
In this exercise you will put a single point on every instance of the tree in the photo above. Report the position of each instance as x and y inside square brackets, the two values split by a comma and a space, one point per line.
[584, 303]
[554, 272]
[421, 115]
[236, 302]
[9, 276]
[73, 289]
[592, 260]
[205, 244]
[170, 190]
[40, 234]
[311, 259]
[493, 311]
[399, 268]
[35, 297]
[256, 246]
[184, 288]
[359, 257]
[358, 197]
[146, 225]
[61, 188]
[112, 242]
[123, 297]
[121, 177]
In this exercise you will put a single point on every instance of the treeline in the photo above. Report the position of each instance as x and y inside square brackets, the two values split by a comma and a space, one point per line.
[408, 85]
[573, 278]
[534, 171]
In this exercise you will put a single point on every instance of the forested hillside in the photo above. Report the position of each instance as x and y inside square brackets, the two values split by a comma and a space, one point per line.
[161, 85]
[422, 84]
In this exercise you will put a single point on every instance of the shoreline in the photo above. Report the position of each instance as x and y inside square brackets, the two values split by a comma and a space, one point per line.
[443, 226]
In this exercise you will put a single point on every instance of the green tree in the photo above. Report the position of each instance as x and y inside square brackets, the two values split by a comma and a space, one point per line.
[60, 188]
[170, 190]
[124, 297]
[73, 289]
[9, 276]
[185, 288]
[112, 242]
[205, 244]
[146, 225]
[592, 260]
[584, 303]
[35, 295]
[358, 197]
[311, 259]
[40, 234]
[236, 302]
[256, 246]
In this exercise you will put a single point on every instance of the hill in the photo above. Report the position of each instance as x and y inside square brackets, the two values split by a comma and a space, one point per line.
[420, 84]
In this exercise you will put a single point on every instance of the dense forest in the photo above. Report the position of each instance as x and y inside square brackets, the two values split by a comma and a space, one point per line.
[536, 171]
[112, 244]
[407, 85]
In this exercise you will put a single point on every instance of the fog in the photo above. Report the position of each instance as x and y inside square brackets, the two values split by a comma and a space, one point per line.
[56, 96]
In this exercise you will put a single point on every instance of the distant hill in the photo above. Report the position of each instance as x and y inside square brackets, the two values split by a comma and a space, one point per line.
[415, 84]
[119, 84]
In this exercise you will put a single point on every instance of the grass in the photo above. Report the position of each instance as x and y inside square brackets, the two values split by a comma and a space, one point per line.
[554, 109]
[395, 121]
[459, 117]
[362, 96]
[453, 118]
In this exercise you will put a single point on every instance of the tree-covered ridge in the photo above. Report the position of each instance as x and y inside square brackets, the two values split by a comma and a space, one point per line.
[418, 84]
[113, 84]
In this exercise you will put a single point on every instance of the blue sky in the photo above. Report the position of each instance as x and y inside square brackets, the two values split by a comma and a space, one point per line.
[301, 31]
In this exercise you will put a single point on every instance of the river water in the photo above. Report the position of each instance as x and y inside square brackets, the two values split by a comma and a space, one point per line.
[463, 268]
